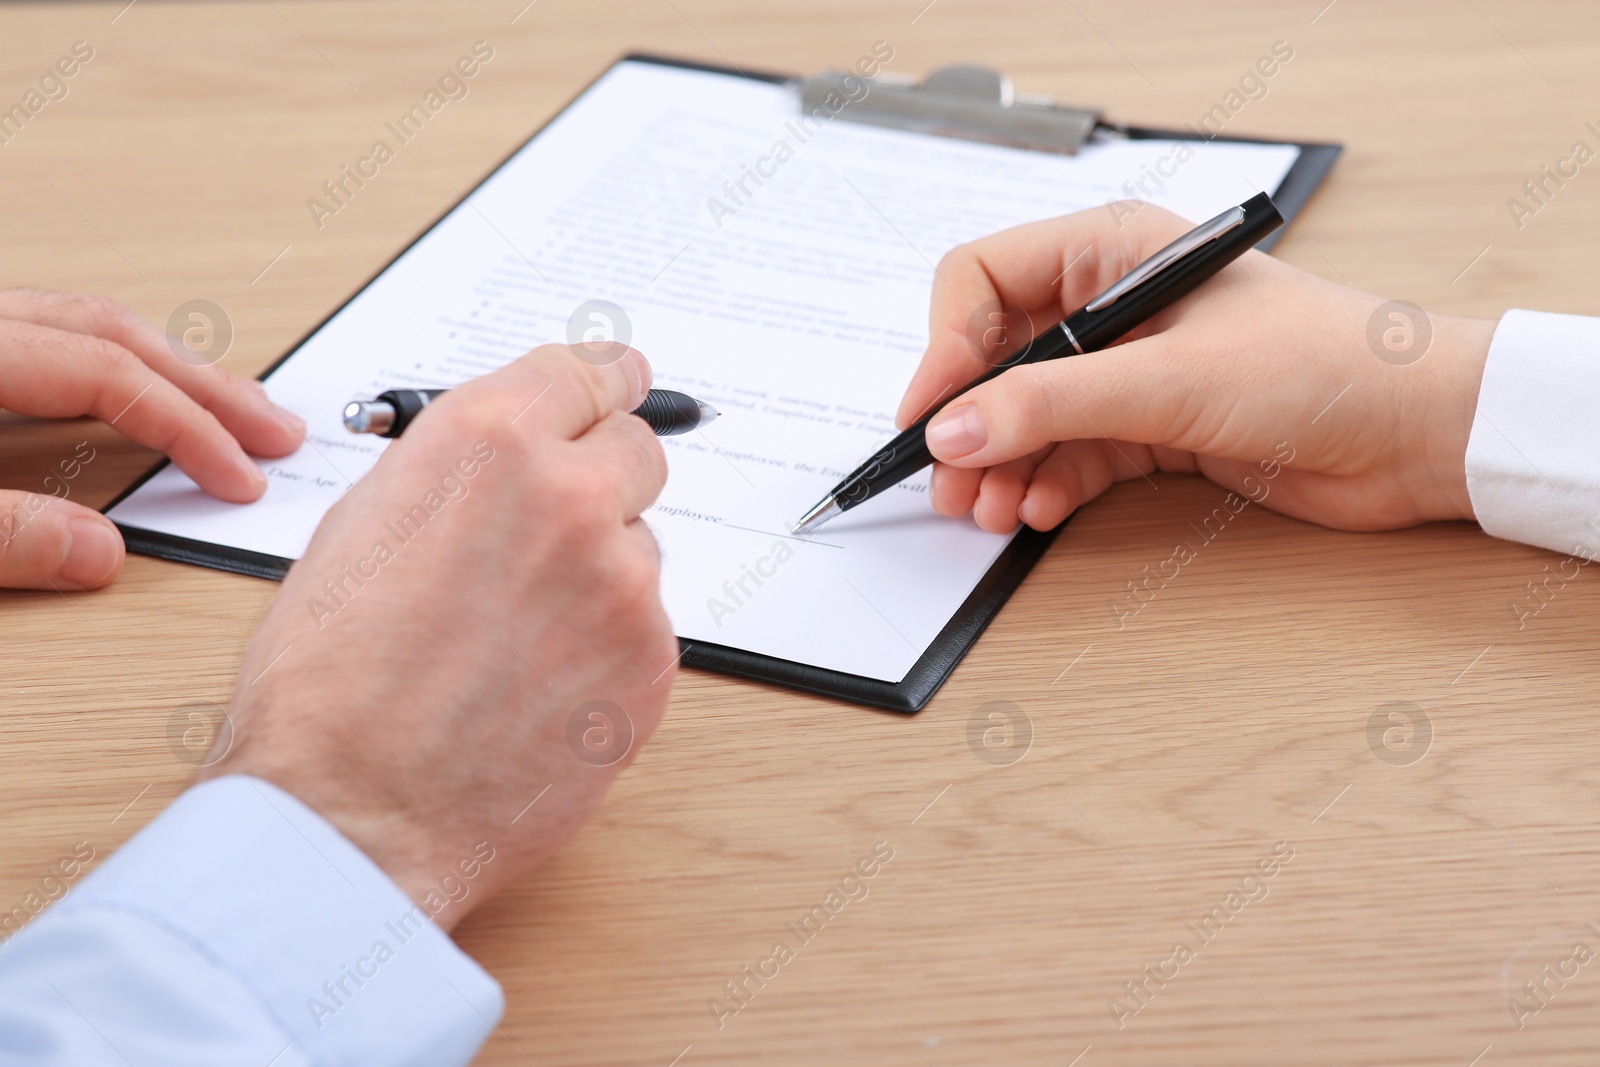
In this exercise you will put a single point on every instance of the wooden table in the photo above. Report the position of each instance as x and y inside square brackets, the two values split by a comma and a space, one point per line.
[1167, 758]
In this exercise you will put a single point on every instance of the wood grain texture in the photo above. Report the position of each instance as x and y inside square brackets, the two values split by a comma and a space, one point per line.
[1167, 756]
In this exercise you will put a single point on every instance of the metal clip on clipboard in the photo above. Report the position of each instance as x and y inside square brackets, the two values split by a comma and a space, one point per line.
[972, 103]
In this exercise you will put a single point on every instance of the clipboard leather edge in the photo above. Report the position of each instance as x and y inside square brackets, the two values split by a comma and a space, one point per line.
[912, 693]
[907, 696]
[203, 553]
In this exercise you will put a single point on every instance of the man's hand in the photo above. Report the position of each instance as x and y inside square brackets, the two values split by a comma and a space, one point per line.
[1266, 373]
[64, 356]
[476, 626]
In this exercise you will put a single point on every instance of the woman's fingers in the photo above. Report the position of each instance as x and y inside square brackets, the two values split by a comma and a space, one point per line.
[239, 404]
[992, 296]
[1144, 390]
[954, 489]
[1070, 476]
[1042, 489]
[1000, 495]
[58, 374]
[50, 543]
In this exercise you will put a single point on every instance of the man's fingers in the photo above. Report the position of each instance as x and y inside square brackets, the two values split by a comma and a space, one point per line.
[56, 374]
[993, 295]
[626, 457]
[559, 390]
[1137, 391]
[240, 404]
[50, 543]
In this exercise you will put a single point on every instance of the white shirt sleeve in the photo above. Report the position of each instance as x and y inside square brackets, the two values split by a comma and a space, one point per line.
[239, 927]
[1533, 460]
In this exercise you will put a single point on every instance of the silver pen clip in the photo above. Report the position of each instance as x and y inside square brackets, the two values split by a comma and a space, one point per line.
[1196, 237]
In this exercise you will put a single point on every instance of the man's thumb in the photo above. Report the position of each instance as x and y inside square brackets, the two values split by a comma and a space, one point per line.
[49, 543]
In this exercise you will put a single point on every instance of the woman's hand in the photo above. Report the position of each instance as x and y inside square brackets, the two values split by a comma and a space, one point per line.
[63, 356]
[1265, 371]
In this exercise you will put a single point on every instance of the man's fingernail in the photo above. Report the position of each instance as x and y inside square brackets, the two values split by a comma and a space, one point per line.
[639, 374]
[284, 413]
[93, 552]
[957, 432]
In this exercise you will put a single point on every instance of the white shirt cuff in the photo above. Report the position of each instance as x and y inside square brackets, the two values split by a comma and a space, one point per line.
[268, 891]
[1533, 460]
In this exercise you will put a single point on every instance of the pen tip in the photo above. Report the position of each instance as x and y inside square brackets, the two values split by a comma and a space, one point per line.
[821, 512]
[707, 412]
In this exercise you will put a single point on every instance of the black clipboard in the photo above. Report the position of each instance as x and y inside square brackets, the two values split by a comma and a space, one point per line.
[935, 665]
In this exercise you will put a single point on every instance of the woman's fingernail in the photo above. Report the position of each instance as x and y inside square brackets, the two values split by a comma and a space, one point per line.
[294, 420]
[253, 472]
[93, 552]
[957, 432]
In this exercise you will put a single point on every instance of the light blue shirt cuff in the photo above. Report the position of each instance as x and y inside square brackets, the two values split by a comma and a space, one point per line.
[263, 888]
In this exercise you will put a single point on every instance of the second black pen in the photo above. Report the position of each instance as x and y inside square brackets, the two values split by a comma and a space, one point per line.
[667, 412]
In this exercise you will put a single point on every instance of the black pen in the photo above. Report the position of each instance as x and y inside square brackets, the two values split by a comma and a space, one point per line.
[668, 413]
[1148, 289]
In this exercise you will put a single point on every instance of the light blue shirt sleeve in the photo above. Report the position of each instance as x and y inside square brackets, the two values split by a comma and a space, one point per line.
[239, 927]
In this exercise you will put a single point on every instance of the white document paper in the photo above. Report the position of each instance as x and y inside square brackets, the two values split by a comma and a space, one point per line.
[795, 302]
